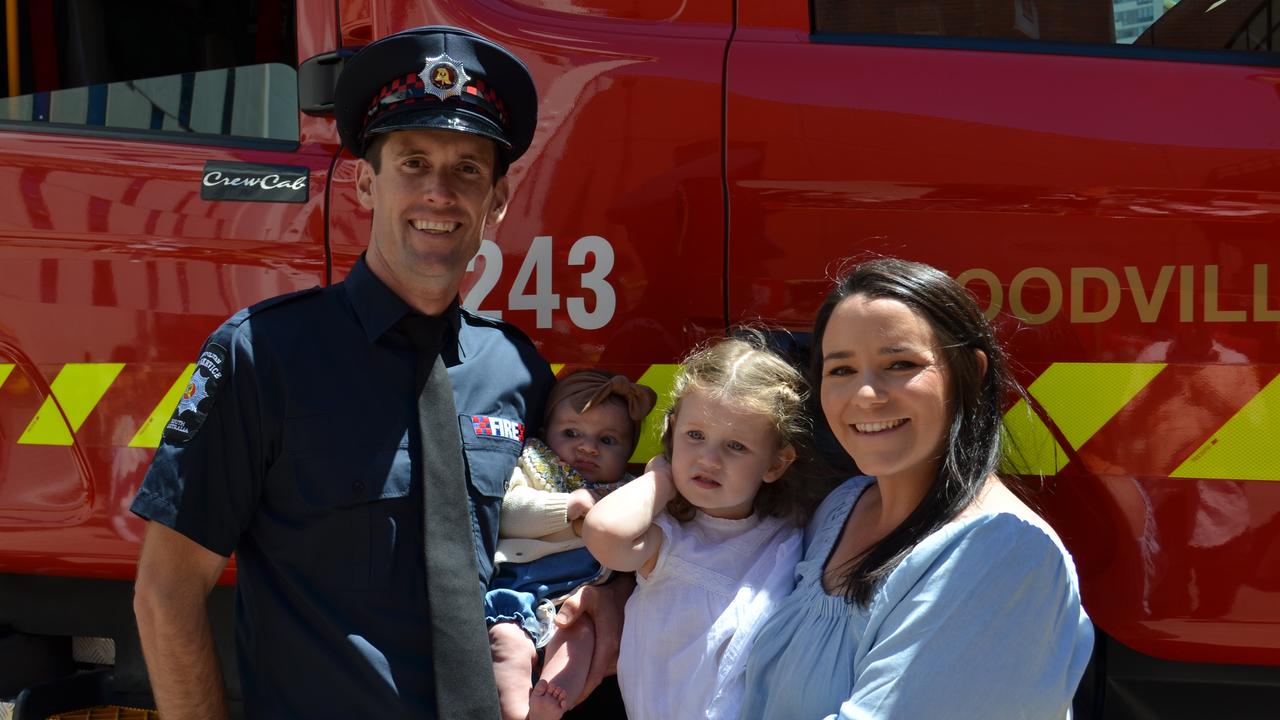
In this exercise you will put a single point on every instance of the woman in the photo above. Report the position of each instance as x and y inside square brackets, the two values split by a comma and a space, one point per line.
[928, 589]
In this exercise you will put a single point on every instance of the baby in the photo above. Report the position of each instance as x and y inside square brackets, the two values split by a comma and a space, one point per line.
[592, 426]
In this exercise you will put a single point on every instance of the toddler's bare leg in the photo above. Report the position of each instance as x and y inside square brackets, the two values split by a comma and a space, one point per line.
[513, 660]
[564, 670]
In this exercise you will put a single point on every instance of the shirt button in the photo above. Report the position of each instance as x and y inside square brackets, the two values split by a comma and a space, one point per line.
[357, 486]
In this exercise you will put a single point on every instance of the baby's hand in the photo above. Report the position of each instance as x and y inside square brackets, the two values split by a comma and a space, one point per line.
[580, 501]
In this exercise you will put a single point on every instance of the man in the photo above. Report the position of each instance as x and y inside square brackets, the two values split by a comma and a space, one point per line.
[298, 443]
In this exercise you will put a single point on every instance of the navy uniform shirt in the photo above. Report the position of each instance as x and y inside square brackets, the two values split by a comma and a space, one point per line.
[296, 446]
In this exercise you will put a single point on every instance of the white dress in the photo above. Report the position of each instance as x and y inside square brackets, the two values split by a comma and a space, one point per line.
[691, 622]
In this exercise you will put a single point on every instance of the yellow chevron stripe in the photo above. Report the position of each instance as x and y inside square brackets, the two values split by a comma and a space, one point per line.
[556, 368]
[1082, 397]
[661, 378]
[1079, 397]
[5, 369]
[1030, 447]
[1245, 448]
[76, 390]
[148, 436]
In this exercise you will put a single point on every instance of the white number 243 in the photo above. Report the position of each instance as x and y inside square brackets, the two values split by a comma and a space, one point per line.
[532, 289]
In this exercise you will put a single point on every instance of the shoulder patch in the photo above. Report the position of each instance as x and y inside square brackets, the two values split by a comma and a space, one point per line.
[198, 398]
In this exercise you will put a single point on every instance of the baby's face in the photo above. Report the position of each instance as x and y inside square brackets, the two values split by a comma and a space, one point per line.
[596, 443]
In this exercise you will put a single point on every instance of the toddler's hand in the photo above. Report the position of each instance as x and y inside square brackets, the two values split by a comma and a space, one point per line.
[664, 485]
[658, 464]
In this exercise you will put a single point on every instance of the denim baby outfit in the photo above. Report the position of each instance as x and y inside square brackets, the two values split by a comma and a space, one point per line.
[540, 559]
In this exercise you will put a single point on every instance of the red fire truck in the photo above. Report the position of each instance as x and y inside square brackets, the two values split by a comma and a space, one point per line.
[1103, 174]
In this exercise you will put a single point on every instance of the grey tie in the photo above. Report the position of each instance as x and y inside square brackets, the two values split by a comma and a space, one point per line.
[463, 670]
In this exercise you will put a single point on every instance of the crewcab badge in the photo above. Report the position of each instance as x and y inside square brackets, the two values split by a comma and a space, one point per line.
[249, 182]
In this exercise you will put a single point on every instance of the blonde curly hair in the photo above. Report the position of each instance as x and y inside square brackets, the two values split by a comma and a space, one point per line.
[745, 373]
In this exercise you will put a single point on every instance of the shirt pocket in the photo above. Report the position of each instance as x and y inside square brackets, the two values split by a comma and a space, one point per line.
[357, 513]
[490, 459]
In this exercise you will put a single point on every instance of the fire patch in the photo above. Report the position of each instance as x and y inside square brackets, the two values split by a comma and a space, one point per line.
[197, 400]
[498, 427]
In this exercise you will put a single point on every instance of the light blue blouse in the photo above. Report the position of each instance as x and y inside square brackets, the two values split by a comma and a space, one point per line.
[981, 620]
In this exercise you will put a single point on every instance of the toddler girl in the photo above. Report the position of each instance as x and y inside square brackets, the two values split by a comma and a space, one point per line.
[592, 426]
[711, 529]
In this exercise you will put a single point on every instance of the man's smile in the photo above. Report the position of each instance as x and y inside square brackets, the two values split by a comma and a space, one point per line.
[435, 227]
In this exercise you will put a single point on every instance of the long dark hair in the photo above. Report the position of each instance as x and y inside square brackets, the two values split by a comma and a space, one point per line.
[975, 446]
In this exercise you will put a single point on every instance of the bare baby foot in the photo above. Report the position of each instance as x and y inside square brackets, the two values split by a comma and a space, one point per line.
[547, 701]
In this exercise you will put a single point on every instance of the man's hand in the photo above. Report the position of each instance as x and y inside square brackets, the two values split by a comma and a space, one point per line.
[605, 605]
[175, 576]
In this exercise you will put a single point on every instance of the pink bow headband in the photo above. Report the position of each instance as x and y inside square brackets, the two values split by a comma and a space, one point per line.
[588, 388]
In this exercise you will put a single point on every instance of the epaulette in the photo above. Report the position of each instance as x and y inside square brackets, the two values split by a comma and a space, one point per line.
[235, 321]
[280, 300]
[211, 369]
[495, 323]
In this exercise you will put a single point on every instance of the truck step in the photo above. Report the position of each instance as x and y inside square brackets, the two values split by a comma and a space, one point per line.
[108, 712]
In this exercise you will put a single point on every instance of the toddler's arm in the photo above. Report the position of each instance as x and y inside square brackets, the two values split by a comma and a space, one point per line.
[619, 530]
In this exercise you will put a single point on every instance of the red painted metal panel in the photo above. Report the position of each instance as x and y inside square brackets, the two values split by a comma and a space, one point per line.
[109, 255]
[1077, 186]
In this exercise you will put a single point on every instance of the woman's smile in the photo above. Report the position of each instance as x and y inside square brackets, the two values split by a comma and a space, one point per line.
[879, 428]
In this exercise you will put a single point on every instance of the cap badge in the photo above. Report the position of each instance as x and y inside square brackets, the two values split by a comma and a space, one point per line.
[443, 77]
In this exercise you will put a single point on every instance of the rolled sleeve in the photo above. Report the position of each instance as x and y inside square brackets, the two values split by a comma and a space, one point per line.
[205, 478]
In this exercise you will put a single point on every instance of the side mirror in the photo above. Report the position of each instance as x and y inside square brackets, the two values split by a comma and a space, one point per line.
[317, 78]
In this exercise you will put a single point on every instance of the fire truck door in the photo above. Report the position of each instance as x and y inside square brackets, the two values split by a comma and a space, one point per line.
[156, 176]
[1103, 177]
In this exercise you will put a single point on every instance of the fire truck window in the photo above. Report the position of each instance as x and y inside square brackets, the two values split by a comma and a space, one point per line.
[167, 67]
[1248, 25]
